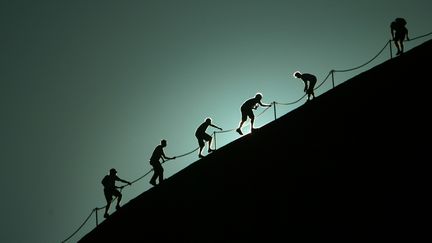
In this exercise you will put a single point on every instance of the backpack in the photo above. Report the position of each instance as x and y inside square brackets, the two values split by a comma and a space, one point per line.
[105, 181]
[401, 21]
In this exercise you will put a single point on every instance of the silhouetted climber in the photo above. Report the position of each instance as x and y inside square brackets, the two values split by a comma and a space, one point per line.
[246, 110]
[309, 82]
[110, 189]
[158, 170]
[202, 136]
[399, 33]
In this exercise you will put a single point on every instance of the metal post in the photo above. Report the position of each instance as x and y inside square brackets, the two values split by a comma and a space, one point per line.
[274, 109]
[97, 220]
[391, 51]
[214, 135]
[332, 75]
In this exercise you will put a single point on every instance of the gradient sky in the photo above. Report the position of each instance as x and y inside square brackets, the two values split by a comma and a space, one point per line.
[90, 85]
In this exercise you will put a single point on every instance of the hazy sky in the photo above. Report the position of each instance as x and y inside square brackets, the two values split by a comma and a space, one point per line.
[90, 85]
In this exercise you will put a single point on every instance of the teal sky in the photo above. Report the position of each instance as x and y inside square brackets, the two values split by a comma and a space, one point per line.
[90, 85]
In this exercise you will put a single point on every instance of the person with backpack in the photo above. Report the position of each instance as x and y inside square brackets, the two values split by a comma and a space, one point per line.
[110, 189]
[399, 33]
[202, 136]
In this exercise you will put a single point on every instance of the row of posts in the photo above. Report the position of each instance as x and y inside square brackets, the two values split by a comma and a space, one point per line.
[274, 113]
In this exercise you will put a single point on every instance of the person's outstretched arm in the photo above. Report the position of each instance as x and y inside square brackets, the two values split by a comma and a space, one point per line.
[124, 181]
[216, 127]
[166, 157]
[264, 105]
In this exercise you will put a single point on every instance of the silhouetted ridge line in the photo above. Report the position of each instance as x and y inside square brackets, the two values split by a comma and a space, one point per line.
[224, 131]
[339, 169]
